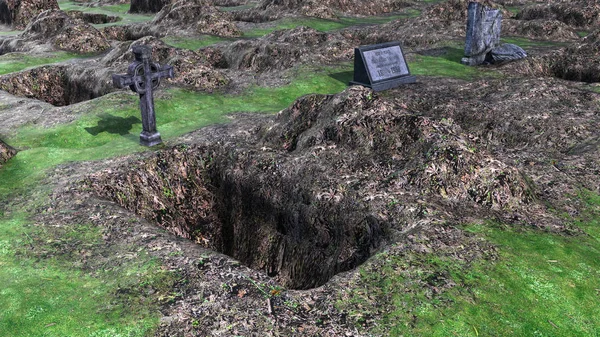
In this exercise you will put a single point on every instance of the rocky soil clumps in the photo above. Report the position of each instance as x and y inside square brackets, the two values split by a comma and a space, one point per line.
[580, 14]
[6, 152]
[539, 29]
[58, 85]
[198, 16]
[19, 13]
[285, 48]
[56, 29]
[318, 211]
[349, 7]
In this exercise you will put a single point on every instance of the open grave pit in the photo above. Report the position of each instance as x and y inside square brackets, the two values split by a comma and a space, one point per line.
[93, 18]
[277, 227]
[58, 85]
[321, 188]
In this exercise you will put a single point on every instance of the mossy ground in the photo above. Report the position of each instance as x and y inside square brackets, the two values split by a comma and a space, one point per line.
[543, 284]
[120, 10]
[13, 62]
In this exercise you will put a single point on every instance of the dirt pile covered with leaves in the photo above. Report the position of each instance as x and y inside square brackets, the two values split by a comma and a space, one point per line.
[576, 62]
[198, 15]
[577, 13]
[332, 178]
[58, 85]
[19, 13]
[55, 29]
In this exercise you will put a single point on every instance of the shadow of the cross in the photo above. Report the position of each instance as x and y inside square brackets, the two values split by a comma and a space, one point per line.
[114, 125]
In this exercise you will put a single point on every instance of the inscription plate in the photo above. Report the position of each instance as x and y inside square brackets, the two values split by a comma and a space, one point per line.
[381, 66]
[385, 63]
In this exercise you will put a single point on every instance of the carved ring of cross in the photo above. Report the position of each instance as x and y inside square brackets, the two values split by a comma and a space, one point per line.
[139, 79]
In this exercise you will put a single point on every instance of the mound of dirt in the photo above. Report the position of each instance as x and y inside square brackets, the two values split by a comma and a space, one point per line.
[580, 61]
[127, 32]
[65, 33]
[282, 50]
[199, 16]
[540, 142]
[270, 10]
[57, 85]
[348, 7]
[578, 13]
[539, 29]
[456, 10]
[6, 152]
[576, 62]
[439, 23]
[287, 198]
[19, 13]
[192, 69]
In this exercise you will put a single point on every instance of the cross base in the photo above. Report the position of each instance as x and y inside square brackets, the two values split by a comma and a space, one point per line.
[150, 138]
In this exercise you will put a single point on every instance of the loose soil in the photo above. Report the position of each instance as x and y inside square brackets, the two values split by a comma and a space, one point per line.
[266, 218]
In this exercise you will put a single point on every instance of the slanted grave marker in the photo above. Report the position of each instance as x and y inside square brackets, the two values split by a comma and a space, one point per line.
[381, 66]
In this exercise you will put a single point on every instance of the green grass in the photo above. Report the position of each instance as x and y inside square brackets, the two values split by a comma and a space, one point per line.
[322, 25]
[448, 65]
[543, 284]
[513, 9]
[237, 8]
[590, 220]
[120, 10]
[10, 32]
[52, 297]
[44, 298]
[529, 43]
[583, 33]
[192, 43]
[13, 62]
[99, 132]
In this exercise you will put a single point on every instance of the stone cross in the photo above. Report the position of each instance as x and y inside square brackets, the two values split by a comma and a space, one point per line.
[143, 76]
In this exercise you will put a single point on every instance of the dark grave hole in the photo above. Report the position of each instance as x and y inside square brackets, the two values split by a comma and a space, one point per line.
[58, 85]
[93, 18]
[275, 225]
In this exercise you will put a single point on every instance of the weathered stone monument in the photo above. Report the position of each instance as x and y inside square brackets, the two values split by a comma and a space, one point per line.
[143, 76]
[381, 66]
[482, 43]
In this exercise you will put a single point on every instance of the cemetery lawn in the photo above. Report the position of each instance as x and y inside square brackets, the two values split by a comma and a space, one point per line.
[542, 284]
[536, 284]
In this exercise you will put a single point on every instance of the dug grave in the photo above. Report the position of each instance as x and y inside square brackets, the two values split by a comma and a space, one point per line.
[282, 201]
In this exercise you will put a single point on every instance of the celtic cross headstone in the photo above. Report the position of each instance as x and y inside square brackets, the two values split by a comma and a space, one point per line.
[143, 76]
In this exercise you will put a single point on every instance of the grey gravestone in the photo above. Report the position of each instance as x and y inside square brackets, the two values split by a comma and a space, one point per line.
[483, 33]
[506, 52]
[143, 76]
[381, 66]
